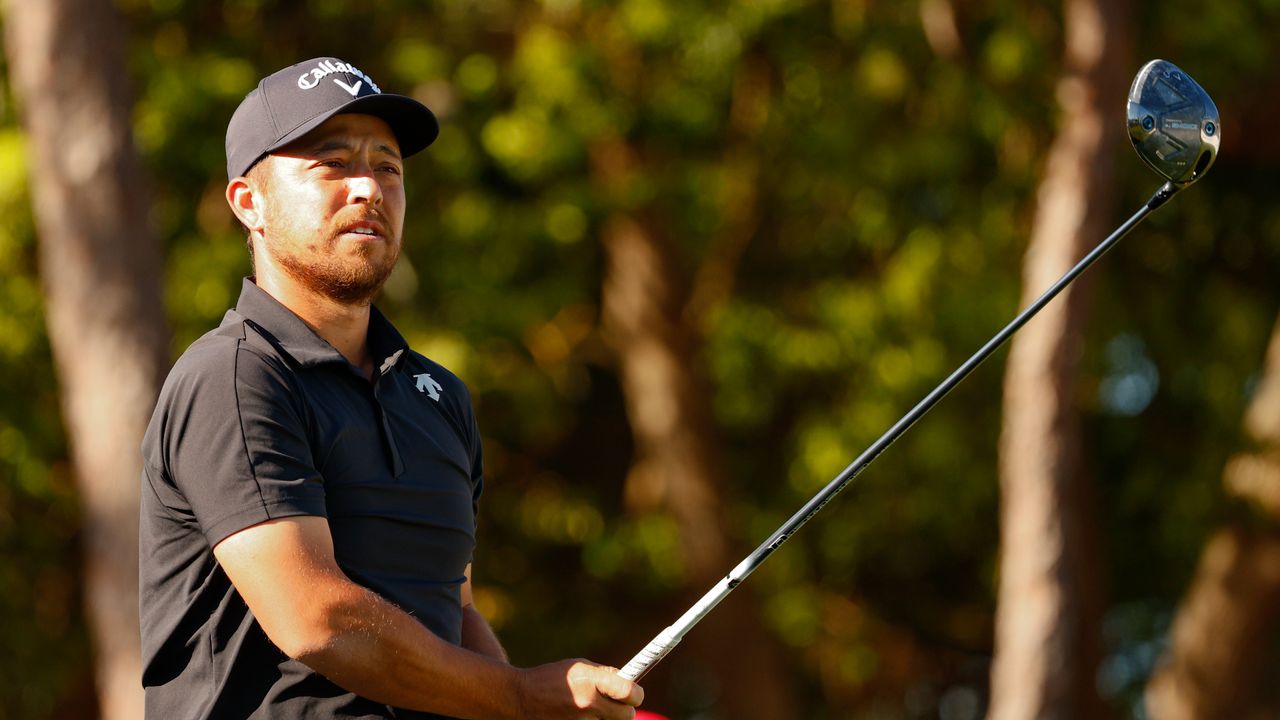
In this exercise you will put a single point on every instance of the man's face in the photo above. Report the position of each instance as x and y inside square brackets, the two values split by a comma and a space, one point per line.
[333, 207]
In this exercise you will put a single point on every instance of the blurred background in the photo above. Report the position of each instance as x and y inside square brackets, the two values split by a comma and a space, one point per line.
[692, 258]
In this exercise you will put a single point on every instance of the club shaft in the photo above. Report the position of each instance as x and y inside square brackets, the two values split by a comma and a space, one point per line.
[666, 640]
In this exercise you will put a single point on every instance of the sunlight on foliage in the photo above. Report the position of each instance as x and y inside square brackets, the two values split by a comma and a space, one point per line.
[646, 20]
[414, 60]
[883, 75]
[1006, 54]
[519, 141]
[548, 515]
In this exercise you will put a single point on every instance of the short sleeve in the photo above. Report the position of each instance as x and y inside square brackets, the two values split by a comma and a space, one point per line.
[477, 462]
[232, 446]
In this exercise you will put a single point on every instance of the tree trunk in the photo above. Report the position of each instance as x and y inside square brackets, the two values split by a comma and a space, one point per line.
[101, 271]
[653, 323]
[676, 469]
[1221, 658]
[1048, 616]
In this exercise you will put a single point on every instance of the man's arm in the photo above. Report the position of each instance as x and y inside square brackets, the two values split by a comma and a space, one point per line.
[477, 635]
[286, 572]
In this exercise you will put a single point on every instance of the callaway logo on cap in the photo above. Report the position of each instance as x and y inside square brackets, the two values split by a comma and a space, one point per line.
[308, 80]
[292, 102]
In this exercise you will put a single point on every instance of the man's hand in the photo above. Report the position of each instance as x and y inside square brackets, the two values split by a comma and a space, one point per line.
[577, 690]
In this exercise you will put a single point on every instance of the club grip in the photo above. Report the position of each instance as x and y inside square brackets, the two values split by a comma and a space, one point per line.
[650, 655]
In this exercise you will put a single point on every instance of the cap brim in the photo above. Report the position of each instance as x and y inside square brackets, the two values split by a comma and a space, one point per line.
[414, 125]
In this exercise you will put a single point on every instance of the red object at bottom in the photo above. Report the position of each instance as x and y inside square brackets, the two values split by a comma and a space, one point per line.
[646, 715]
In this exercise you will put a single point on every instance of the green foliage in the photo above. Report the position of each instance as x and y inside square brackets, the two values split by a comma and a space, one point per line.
[893, 195]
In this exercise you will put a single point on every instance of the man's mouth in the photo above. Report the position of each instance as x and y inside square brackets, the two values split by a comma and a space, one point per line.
[366, 228]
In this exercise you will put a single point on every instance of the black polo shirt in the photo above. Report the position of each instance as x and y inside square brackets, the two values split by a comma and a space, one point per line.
[262, 419]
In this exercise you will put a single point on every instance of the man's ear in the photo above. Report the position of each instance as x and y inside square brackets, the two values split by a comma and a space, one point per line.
[246, 202]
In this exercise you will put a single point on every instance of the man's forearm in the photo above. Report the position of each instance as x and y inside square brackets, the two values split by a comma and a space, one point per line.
[380, 652]
[478, 636]
[312, 611]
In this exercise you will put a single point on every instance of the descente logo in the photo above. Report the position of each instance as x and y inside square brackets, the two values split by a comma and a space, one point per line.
[325, 68]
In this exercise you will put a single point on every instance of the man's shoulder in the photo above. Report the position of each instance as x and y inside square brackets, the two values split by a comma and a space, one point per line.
[233, 350]
[211, 382]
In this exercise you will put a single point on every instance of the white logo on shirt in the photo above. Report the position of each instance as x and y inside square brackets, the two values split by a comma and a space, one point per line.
[429, 386]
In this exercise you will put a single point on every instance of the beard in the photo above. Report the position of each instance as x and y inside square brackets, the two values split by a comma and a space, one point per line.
[348, 278]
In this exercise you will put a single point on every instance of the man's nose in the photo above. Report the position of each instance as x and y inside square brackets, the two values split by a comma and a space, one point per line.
[363, 187]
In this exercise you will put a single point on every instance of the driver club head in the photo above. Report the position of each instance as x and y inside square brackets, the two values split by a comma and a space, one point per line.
[1173, 123]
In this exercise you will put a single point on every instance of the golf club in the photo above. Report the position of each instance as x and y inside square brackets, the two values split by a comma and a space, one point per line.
[1175, 128]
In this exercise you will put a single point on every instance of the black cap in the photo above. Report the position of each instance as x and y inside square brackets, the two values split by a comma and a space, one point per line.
[292, 102]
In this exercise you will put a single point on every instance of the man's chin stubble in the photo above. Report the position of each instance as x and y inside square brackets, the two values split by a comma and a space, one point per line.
[347, 286]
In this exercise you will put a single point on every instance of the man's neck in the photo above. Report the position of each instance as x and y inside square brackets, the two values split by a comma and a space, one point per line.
[344, 326]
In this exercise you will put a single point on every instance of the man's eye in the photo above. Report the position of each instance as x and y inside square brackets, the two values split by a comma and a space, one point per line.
[391, 169]
[330, 163]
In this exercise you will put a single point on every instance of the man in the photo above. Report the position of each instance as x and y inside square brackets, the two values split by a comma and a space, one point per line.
[310, 483]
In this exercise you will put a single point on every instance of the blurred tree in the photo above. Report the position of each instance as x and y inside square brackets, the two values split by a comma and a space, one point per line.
[1049, 617]
[657, 337]
[1222, 657]
[101, 272]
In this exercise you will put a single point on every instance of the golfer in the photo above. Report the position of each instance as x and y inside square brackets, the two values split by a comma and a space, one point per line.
[310, 483]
